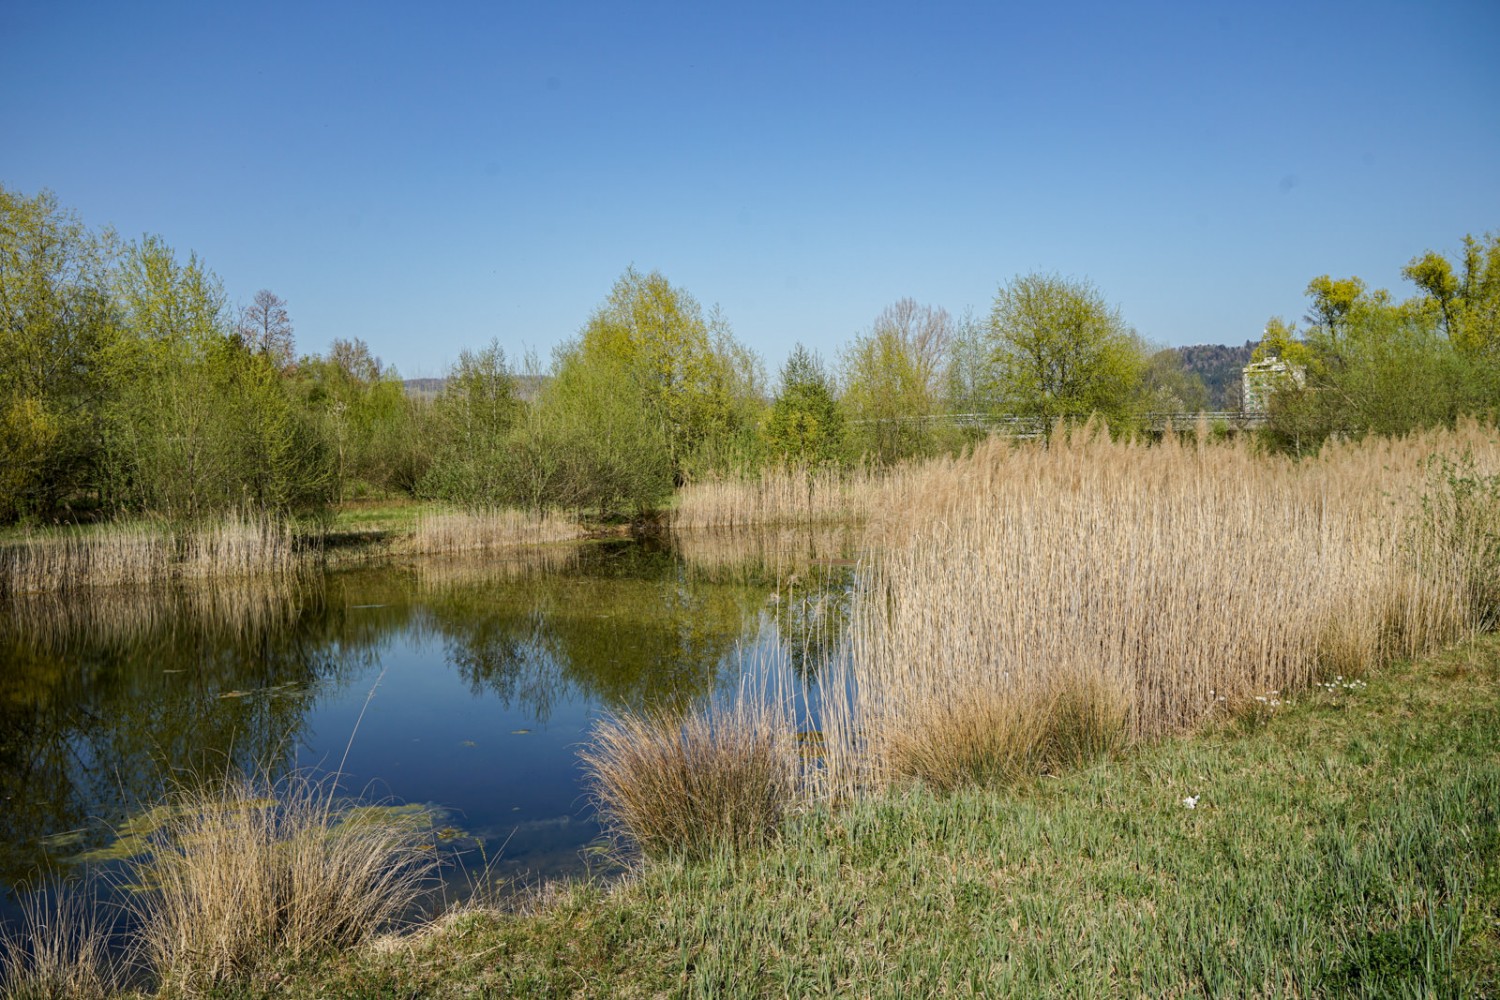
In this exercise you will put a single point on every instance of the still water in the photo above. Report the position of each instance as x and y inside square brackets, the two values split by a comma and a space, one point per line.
[465, 685]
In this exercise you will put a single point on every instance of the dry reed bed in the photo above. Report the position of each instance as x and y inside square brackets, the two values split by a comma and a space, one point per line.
[1032, 605]
[458, 531]
[147, 552]
[1038, 601]
[776, 496]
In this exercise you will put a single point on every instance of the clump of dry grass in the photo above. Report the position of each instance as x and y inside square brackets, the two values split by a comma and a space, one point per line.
[1005, 735]
[60, 951]
[247, 875]
[1163, 584]
[458, 531]
[777, 495]
[689, 784]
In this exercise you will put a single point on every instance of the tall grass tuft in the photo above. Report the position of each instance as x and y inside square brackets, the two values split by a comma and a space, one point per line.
[250, 875]
[60, 950]
[1008, 735]
[691, 784]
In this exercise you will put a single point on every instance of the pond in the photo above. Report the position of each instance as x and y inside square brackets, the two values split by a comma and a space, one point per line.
[466, 685]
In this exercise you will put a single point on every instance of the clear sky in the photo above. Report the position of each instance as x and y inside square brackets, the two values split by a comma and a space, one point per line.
[429, 176]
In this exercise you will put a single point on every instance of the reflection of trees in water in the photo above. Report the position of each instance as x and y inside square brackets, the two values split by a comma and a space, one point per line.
[812, 616]
[106, 698]
[621, 625]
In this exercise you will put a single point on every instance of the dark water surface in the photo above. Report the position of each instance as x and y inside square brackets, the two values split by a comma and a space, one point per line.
[476, 680]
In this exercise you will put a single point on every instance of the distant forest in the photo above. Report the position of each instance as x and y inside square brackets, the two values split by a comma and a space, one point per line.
[1219, 367]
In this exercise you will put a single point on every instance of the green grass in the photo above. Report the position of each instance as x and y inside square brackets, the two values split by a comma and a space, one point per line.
[1345, 846]
[380, 517]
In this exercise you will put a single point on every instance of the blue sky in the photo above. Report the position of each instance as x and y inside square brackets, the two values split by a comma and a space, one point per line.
[427, 177]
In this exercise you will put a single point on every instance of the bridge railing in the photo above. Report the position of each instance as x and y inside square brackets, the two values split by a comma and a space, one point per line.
[1019, 425]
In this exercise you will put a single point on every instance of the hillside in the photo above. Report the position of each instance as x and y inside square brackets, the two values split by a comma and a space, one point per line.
[1219, 367]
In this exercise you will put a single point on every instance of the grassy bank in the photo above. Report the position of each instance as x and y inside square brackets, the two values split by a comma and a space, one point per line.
[1346, 843]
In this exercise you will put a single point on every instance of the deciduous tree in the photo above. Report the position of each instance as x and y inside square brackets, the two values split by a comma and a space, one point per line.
[58, 329]
[697, 383]
[1063, 353]
[266, 328]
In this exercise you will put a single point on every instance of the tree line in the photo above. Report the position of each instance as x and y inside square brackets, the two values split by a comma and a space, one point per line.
[1367, 363]
[129, 386]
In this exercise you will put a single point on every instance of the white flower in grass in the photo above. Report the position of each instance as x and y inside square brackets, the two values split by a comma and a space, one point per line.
[1191, 801]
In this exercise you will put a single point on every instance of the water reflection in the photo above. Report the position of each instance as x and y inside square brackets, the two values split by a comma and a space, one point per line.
[469, 682]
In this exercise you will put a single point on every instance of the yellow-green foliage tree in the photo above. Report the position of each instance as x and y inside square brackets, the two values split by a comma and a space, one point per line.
[594, 441]
[199, 422]
[1467, 300]
[894, 382]
[1063, 353]
[1370, 364]
[696, 383]
[58, 331]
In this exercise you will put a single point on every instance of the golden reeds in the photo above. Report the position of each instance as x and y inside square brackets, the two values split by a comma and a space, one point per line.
[457, 531]
[140, 552]
[1159, 584]
[776, 496]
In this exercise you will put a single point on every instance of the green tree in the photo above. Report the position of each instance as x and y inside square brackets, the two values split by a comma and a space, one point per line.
[695, 382]
[1468, 302]
[168, 448]
[1369, 364]
[472, 421]
[894, 381]
[1332, 303]
[589, 442]
[200, 423]
[1063, 353]
[804, 424]
[58, 331]
[971, 378]
[367, 418]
